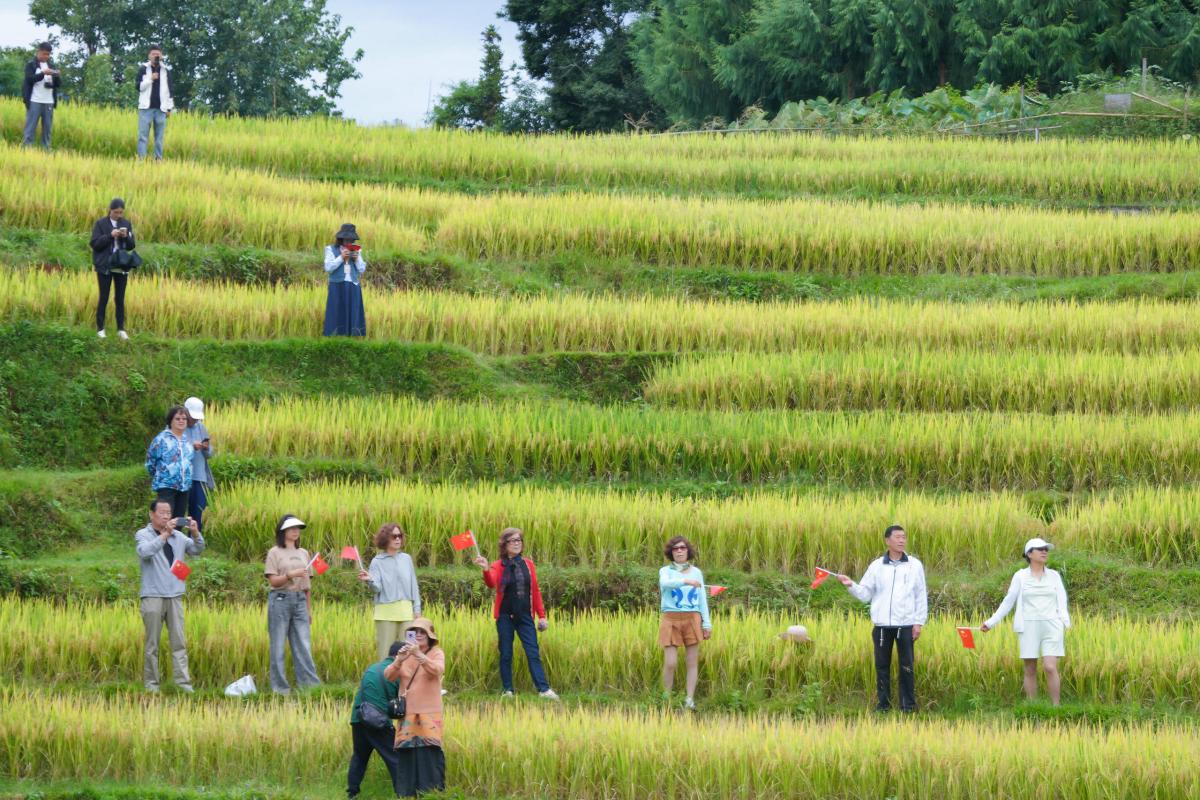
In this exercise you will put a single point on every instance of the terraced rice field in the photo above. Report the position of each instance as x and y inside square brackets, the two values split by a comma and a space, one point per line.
[780, 436]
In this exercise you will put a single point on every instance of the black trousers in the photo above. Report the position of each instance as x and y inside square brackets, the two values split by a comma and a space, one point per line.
[882, 639]
[177, 499]
[106, 280]
[369, 740]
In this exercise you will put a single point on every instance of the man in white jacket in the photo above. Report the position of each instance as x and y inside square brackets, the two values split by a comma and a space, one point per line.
[894, 585]
[154, 102]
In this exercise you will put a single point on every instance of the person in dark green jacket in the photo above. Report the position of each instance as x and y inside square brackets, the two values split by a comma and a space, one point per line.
[377, 691]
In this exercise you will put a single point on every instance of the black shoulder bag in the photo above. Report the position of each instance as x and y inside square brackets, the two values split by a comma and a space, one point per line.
[398, 706]
[374, 718]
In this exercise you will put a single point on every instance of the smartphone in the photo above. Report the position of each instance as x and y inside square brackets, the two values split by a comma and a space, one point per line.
[181, 523]
[410, 637]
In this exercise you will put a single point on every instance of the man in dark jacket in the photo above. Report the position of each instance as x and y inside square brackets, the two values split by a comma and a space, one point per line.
[40, 92]
[110, 234]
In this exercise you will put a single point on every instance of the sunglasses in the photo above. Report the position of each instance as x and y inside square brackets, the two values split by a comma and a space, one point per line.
[1040, 549]
[680, 547]
[397, 535]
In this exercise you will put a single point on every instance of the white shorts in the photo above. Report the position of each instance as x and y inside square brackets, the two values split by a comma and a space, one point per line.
[1041, 637]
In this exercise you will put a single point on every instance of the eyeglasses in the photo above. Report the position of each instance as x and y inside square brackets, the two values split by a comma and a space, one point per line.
[680, 547]
[515, 540]
[397, 535]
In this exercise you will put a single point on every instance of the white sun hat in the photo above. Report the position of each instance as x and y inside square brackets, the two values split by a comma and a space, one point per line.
[195, 407]
[796, 633]
[291, 522]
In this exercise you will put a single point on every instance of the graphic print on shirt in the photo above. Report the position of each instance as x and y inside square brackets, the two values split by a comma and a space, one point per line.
[686, 598]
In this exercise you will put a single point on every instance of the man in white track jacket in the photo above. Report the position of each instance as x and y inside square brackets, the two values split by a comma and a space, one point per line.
[894, 585]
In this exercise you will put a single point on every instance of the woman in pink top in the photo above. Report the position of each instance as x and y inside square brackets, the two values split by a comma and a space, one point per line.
[418, 668]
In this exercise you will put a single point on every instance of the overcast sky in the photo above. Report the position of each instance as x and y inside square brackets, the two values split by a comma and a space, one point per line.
[410, 46]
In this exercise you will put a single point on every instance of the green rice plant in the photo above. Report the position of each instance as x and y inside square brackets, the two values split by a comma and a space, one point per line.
[756, 531]
[301, 745]
[1093, 171]
[572, 442]
[911, 379]
[1109, 660]
[506, 325]
[186, 202]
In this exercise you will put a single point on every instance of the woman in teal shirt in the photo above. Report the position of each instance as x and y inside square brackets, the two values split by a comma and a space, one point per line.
[685, 621]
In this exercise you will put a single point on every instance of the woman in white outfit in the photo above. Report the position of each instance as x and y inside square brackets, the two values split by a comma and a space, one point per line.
[1040, 599]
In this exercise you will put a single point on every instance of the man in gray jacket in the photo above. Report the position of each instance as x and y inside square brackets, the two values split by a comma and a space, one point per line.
[894, 585]
[160, 547]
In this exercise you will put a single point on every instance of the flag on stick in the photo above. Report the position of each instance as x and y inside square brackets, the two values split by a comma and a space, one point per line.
[714, 590]
[967, 635]
[318, 565]
[350, 553]
[822, 574]
[180, 570]
[463, 540]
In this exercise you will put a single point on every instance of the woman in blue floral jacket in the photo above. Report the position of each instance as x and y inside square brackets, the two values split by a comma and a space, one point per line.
[169, 462]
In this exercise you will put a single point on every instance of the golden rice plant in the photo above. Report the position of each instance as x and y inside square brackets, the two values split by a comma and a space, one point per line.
[913, 379]
[757, 531]
[1113, 171]
[1108, 660]
[187, 202]
[508, 325]
[302, 745]
[567, 441]
[843, 238]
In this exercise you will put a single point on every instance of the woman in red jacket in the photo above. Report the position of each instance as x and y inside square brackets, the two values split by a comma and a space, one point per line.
[517, 599]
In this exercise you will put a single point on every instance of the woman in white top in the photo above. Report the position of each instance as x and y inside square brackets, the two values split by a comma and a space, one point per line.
[1041, 617]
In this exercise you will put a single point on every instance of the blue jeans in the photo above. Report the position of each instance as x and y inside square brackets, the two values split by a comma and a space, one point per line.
[148, 117]
[44, 112]
[522, 625]
[197, 502]
[288, 623]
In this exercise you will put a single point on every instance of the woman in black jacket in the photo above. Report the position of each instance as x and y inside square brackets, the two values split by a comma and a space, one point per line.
[110, 236]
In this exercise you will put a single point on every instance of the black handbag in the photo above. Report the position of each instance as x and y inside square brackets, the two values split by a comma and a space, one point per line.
[398, 706]
[124, 260]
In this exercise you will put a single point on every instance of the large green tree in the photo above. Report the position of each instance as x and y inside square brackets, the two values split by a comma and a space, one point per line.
[247, 57]
[582, 49]
[475, 104]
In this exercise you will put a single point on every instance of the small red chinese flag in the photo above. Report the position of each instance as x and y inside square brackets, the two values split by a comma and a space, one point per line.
[319, 565]
[714, 590]
[463, 540]
[350, 553]
[180, 570]
[968, 638]
[822, 574]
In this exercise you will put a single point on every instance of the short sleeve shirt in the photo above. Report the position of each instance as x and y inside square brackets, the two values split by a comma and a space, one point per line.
[281, 561]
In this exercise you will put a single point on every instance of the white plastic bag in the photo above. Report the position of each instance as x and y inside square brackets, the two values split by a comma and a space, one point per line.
[242, 687]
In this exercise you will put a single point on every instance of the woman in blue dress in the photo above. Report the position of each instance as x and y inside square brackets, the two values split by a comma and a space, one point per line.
[344, 263]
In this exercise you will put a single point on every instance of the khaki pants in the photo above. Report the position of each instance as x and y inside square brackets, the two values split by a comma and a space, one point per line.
[387, 632]
[155, 612]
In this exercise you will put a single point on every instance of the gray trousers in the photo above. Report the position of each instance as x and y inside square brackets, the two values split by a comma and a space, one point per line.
[156, 611]
[44, 112]
[148, 117]
[288, 624]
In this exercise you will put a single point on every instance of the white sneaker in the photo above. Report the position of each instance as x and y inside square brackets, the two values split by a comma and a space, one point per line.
[689, 704]
[102, 334]
[507, 695]
[123, 336]
[549, 694]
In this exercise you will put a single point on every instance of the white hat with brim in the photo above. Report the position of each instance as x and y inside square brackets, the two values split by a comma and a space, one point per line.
[291, 522]
[1035, 543]
[195, 407]
[796, 633]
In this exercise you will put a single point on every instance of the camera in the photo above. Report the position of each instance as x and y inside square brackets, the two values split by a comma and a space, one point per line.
[181, 523]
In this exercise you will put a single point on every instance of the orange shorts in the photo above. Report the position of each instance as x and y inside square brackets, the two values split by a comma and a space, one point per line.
[679, 629]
